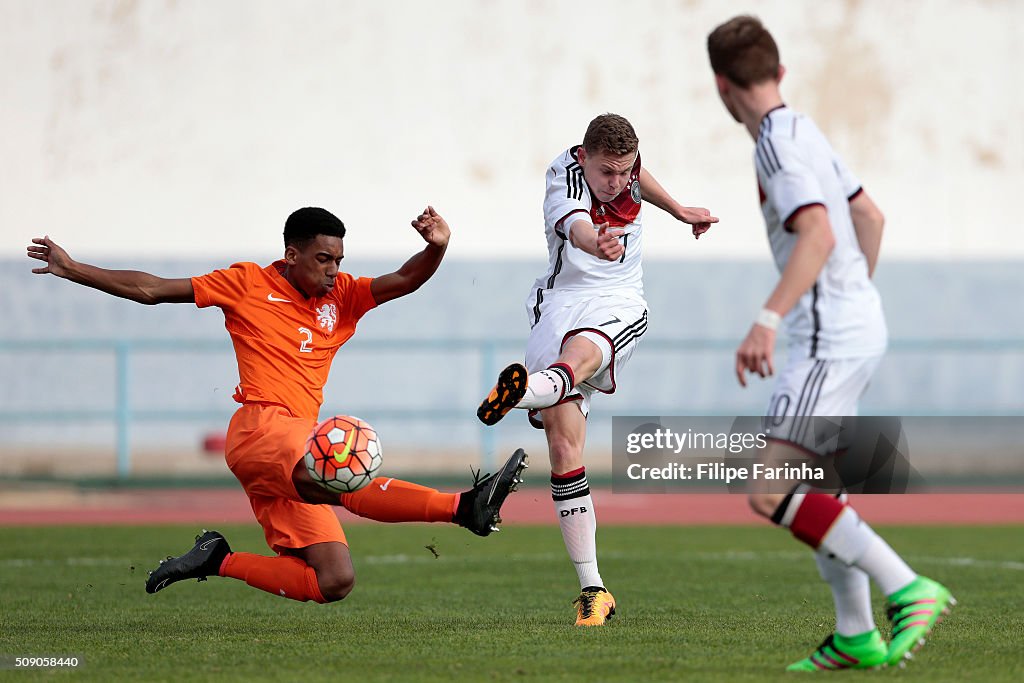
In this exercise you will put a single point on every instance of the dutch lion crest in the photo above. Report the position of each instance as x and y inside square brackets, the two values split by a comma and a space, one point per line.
[327, 316]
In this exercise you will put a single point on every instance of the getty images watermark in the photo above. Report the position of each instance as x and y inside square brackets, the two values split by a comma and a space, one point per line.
[732, 454]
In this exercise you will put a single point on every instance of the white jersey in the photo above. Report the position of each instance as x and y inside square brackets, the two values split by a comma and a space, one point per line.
[572, 273]
[841, 315]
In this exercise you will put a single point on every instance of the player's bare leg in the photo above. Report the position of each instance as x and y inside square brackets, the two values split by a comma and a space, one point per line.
[332, 563]
[565, 428]
[321, 572]
[579, 359]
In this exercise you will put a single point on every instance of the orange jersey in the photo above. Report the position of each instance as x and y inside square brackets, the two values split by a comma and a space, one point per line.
[284, 343]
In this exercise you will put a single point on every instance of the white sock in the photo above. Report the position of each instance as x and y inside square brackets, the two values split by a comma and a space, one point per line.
[547, 387]
[848, 537]
[852, 541]
[575, 510]
[883, 565]
[851, 593]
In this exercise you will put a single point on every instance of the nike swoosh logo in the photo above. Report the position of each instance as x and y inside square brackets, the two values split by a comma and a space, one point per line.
[343, 456]
[271, 297]
[494, 487]
[385, 485]
[207, 544]
[494, 484]
[613, 320]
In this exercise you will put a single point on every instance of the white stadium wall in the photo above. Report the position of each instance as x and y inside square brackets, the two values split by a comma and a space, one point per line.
[176, 136]
[191, 128]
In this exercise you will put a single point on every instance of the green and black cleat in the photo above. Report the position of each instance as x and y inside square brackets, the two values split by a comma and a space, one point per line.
[862, 651]
[914, 611]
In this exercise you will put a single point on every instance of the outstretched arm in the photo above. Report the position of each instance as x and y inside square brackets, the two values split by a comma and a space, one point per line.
[127, 284]
[868, 222]
[417, 270]
[814, 243]
[602, 243]
[651, 190]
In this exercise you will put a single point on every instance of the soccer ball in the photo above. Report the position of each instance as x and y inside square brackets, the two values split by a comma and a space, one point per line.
[343, 454]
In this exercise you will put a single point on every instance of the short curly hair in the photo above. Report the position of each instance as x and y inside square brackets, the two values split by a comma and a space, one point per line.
[612, 134]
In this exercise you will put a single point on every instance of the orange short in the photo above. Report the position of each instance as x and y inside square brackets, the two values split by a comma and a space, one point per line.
[264, 443]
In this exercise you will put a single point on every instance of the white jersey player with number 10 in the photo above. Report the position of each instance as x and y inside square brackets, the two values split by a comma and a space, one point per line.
[836, 328]
[841, 315]
[825, 234]
[586, 313]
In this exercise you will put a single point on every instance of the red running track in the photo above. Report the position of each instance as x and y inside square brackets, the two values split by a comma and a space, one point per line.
[529, 506]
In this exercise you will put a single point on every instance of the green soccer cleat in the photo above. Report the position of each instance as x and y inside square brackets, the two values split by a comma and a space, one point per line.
[863, 651]
[914, 611]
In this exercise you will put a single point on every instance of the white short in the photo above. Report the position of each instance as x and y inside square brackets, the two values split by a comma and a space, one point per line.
[614, 323]
[809, 387]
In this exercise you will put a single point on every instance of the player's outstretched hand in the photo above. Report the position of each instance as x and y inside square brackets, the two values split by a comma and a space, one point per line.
[609, 246]
[698, 217]
[755, 353]
[45, 249]
[432, 228]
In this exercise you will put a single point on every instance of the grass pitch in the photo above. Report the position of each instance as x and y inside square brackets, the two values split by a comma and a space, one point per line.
[695, 603]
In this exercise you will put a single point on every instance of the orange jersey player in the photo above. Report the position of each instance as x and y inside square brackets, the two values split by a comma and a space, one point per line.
[287, 321]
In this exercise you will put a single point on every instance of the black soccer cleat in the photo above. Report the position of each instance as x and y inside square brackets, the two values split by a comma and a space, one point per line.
[203, 560]
[506, 394]
[479, 507]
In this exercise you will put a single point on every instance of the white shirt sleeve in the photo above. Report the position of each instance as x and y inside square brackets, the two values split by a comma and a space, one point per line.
[789, 181]
[566, 192]
[849, 182]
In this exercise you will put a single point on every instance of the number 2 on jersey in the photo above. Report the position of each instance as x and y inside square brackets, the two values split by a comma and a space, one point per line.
[304, 345]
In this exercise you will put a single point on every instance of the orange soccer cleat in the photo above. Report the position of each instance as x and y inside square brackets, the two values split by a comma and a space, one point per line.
[594, 606]
[508, 392]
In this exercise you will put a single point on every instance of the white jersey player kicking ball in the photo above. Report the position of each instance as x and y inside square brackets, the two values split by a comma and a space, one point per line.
[587, 314]
[825, 234]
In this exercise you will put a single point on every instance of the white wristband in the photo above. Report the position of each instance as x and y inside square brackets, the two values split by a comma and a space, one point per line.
[768, 318]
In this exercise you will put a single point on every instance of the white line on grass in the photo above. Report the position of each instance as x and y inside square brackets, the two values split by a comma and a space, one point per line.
[402, 558]
[973, 562]
[67, 561]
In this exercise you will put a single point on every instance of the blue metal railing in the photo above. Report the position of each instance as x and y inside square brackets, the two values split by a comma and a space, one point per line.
[122, 414]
